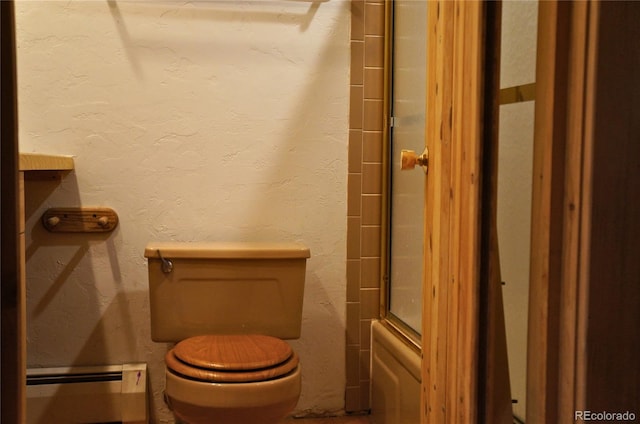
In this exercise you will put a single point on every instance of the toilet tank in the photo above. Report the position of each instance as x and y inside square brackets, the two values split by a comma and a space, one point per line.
[225, 288]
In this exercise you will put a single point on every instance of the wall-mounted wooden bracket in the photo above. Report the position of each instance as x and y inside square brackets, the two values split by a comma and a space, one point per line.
[80, 220]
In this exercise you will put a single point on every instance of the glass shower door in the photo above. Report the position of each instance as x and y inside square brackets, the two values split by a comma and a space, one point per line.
[408, 98]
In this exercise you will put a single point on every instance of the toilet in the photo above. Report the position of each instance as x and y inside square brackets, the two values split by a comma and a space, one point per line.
[228, 307]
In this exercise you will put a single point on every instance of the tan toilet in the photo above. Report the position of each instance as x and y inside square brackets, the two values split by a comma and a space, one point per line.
[228, 306]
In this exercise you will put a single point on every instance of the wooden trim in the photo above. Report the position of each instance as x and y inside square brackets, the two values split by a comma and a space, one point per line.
[12, 293]
[608, 370]
[438, 140]
[585, 291]
[494, 400]
[455, 65]
[518, 93]
[557, 213]
[573, 215]
[547, 211]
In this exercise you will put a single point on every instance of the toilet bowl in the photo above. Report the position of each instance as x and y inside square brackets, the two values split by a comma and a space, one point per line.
[252, 379]
[228, 307]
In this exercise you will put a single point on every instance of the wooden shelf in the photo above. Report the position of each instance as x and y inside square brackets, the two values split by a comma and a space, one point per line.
[44, 162]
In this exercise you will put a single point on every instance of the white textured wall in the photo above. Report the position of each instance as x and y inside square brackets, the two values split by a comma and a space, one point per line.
[515, 172]
[212, 120]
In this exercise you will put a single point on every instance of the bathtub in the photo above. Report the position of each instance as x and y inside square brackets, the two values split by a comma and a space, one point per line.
[395, 378]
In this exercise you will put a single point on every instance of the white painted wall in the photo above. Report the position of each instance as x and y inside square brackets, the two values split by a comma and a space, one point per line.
[212, 120]
[515, 171]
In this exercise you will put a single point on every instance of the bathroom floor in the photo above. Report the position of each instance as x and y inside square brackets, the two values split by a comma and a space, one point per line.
[348, 419]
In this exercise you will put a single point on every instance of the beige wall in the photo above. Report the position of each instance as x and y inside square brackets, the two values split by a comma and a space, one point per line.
[515, 171]
[194, 121]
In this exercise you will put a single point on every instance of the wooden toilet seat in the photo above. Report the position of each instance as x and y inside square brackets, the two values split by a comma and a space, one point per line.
[232, 358]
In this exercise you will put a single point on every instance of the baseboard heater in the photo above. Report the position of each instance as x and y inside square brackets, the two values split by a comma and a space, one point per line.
[101, 394]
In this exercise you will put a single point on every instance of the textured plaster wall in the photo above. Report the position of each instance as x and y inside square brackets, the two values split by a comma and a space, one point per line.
[212, 120]
[515, 171]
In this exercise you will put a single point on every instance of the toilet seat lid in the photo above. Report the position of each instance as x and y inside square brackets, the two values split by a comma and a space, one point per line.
[176, 366]
[232, 358]
[236, 352]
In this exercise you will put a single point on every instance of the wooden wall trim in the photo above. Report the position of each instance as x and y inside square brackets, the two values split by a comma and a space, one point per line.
[575, 215]
[452, 203]
[611, 278]
[12, 337]
[547, 211]
[438, 140]
[494, 402]
[585, 284]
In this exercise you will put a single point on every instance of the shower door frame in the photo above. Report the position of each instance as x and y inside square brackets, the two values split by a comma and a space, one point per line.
[462, 338]
[410, 336]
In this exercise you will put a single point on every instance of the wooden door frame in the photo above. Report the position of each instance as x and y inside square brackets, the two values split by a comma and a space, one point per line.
[12, 295]
[547, 211]
[585, 276]
[461, 272]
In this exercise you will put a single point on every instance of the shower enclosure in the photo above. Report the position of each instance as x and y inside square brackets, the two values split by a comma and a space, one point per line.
[396, 338]
[404, 274]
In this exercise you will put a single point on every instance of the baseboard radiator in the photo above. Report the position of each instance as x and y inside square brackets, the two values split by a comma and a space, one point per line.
[103, 394]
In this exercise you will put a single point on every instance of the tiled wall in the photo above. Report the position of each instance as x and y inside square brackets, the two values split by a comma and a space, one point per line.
[365, 200]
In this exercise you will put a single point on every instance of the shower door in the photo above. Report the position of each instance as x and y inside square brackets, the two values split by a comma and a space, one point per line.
[407, 132]
[440, 238]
